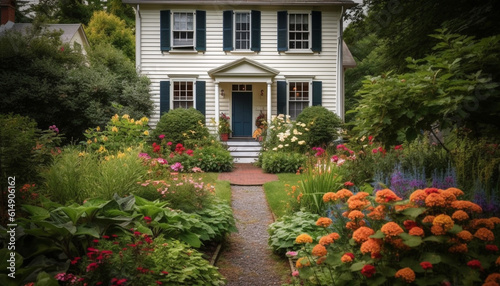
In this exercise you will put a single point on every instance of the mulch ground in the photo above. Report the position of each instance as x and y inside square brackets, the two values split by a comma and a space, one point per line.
[246, 258]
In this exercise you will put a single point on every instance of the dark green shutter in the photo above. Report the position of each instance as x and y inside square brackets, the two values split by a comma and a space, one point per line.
[255, 31]
[164, 97]
[316, 31]
[165, 30]
[281, 97]
[282, 31]
[200, 96]
[201, 31]
[227, 33]
[317, 93]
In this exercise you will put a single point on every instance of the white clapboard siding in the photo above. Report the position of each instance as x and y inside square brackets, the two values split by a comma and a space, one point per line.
[157, 66]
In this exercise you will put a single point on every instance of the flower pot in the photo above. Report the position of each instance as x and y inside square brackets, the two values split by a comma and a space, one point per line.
[224, 136]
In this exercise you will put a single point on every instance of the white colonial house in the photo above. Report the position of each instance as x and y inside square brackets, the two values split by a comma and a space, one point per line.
[242, 57]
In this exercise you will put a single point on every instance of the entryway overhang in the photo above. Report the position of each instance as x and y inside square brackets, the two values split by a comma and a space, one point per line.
[241, 71]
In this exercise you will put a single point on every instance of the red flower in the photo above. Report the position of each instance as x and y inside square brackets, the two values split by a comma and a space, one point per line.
[165, 272]
[398, 147]
[159, 283]
[348, 184]
[474, 264]
[75, 260]
[189, 152]
[368, 270]
[105, 236]
[147, 219]
[409, 224]
[156, 148]
[491, 247]
[95, 241]
[92, 266]
[349, 254]
[114, 235]
[429, 191]
[426, 265]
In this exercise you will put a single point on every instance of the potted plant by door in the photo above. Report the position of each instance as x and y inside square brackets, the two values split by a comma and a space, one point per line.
[224, 127]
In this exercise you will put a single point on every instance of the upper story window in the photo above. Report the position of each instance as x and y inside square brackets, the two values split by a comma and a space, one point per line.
[298, 98]
[183, 94]
[298, 31]
[183, 30]
[242, 31]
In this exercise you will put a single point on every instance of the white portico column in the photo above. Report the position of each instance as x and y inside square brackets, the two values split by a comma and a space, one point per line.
[217, 107]
[269, 103]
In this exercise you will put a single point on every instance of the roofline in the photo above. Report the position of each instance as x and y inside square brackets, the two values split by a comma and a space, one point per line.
[345, 3]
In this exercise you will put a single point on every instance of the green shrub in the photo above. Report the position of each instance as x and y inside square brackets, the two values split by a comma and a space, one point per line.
[322, 124]
[282, 162]
[283, 232]
[180, 124]
[213, 159]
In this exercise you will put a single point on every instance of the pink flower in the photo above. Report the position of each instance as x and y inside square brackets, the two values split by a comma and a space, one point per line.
[92, 266]
[295, 273]
[169, 143]
[375, 151]
[348, 184]
[291, 253]
[161, 136]
[147, 219]
[334, 158]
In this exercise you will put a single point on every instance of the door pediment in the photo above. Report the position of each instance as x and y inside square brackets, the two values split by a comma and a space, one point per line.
[243, 68]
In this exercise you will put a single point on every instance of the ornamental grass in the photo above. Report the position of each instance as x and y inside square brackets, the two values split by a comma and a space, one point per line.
[433, 238]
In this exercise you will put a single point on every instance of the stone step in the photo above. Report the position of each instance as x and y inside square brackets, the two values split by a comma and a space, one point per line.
[245, 154]
[245, 160]
[245, 148]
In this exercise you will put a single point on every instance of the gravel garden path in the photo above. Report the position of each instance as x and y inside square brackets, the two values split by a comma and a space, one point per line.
[246, 259]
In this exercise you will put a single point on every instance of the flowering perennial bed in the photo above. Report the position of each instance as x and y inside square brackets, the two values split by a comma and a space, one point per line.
[433, 238]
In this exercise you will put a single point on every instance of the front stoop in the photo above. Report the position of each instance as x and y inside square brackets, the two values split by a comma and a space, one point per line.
[244, 150]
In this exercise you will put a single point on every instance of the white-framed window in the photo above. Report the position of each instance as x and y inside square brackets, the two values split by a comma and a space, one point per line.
[242, 30]
[299, 97]
[298, 31]
[183, 29]
[183, 94]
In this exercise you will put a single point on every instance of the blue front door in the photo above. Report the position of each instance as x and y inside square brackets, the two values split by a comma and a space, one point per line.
[242, 114]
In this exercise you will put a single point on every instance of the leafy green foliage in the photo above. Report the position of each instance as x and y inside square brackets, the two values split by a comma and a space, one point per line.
[105, 28]
[282, 162]
[61, 87]
[283, 232]
[394, 108]
[322, 125]
[181, 124]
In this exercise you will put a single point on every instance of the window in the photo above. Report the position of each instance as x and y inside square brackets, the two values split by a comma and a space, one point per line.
[242, 31]
[241, 87]
[298, 98]
[298, 31]
[183, 30]
[183, 94]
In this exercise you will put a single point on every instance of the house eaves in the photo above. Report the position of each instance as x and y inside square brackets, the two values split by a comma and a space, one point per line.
[345, 3]
[243, 67]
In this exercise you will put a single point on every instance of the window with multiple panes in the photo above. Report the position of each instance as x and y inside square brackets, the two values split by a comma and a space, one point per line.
[298, 98]
[298, 31]
[183, 29]
[241, 87]
[242, 30]
[183, 94]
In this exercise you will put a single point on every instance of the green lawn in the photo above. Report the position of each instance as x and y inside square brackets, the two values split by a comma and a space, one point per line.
[222, 188]
[277, 194]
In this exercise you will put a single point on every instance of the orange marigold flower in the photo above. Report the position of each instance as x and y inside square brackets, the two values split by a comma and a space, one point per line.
[354, 225]
[325, 240]
[465, 235]
[429, 191]
[398, 243]
[324, 222]
[344, 194]
[355, 214]
[445, 221]
[435, 200]
[362, 234]
[437, 230]
[347, 257]
[493, 277]
[321, 260]
[483, 222]
[372, 245]
[406, 274]
[357, 204]
[359, 196]
[329, 197]
[302, 262]
[304, 238]
[391, 229]
[455, 191]
[386, 196]
[334, 236]
[466, 205]
[460, 215]
[417, 231]
[376, 215]
[458, 248]
[319, 250]
[399, 208]
[484, 234]
[345, 214]
[448, 197]
[494, 220]
[428, 219]
[497, 262]
[418, 196]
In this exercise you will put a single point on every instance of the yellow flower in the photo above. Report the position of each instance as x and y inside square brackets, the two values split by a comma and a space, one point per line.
[126, 116]
[102, 149]
[114, 129]
[144, 119]
[129, 149]
[304, 238]
[104, 138]
[115, 118]
[98, 128]
[81, 154]
[120, 155]
[138, 122]
[146, 133]
[406, 274]
[89, 141]
[95, 140]
[444, 221]
[132, 120]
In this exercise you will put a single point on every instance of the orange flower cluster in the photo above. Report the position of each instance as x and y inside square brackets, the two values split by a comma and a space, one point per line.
[391, 229]
[482, 222]
[458, 248]
[493, 277]
[432, 197]
[355, 215]
[416, 231]
[484, 234]
[362, 234]
[302, 262]
[329, 197]
[386, 196]
[465, 235]
[344, 194]
[406, 274]
[303, 238]
[377, 213]
[444, 222]
[324, 222]
[325, 240]
[467, 206]
[460, 215]
[435, 200]
[319, 250]
[347, 257]
[358, 201]
[372, 245]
